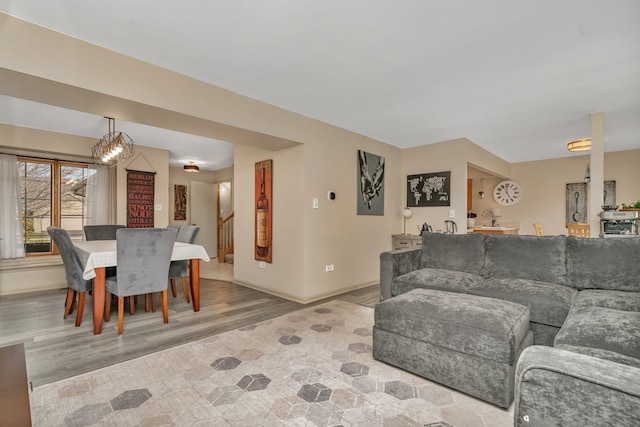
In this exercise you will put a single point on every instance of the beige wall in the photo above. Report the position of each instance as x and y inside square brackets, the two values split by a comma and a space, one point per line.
[544, 187]
[179, 176]
[455, 156]
[310, 158]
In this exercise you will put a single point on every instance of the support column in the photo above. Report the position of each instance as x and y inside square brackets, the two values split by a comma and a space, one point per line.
[596, 186]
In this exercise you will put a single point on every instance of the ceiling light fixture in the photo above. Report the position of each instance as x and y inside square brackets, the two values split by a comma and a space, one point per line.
[112, 148]
[191, 167]
[579, 145]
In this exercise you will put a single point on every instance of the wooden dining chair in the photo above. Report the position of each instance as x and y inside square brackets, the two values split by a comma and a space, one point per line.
[538, 229]
[73, 268]
[143, 258]
[180, 269]
[579, 229]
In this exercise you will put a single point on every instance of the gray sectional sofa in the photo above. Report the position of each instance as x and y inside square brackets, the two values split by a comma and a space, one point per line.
[583, 297]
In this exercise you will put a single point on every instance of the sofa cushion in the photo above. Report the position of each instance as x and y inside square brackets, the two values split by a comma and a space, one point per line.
[617, 300]
[435, 278]
[605, 324]
[540, 258]
[482, 327]
[548, 303]
[603, 263]
[457, 252]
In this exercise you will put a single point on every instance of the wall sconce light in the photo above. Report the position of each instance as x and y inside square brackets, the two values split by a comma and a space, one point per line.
[406, 213]
[191, 167]
[587, 175]
[481, 192]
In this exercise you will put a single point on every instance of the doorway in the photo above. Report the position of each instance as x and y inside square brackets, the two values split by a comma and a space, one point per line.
[204, 209]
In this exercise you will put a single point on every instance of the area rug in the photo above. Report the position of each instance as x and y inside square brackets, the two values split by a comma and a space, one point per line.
[312, 367]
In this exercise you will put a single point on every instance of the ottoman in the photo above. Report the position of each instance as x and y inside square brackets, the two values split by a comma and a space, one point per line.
[466, 342]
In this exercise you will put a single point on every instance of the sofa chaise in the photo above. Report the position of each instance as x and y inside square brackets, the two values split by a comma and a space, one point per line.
[583, 301]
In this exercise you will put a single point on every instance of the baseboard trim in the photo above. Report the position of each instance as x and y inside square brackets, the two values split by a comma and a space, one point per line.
[308, 300]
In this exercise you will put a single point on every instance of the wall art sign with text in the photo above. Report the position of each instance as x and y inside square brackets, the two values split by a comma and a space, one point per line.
[429, 189]
[140, 199]
[264, 209]
[180, 202]
[370, 184]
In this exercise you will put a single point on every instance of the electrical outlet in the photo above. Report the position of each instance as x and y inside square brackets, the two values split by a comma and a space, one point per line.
[263, 264]
[315, 203]
[328, 267]
[452, 213]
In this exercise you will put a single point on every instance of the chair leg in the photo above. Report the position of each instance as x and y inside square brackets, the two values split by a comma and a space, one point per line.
[107, 306]
[120, 314]
[153, 303]
[81, 299]
[185, 289]
[147, 303]
[132, 305]
[165, 307]
[173, 288]
[73, 302]
[68, 304]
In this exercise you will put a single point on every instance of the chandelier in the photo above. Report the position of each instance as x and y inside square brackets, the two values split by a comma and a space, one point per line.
[112, 148]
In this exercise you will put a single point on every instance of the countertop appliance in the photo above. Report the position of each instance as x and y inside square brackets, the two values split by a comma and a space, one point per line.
[450, 227]
[619, 224]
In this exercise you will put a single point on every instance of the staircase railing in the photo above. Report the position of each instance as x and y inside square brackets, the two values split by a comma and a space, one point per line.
[225, 237]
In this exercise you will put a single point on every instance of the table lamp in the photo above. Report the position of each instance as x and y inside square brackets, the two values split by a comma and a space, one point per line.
[406, 213]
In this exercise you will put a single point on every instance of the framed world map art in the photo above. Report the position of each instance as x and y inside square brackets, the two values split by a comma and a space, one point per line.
[429, 189]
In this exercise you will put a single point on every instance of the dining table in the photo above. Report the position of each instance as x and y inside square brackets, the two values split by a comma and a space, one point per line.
[97, 255]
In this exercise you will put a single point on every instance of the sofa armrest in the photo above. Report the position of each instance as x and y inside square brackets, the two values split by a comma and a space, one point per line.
[394, 264]
[556, 387]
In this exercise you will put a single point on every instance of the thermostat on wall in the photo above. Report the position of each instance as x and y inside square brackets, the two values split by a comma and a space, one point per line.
[331, 195]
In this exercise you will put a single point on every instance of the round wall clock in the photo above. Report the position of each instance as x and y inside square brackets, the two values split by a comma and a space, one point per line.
[507, 193]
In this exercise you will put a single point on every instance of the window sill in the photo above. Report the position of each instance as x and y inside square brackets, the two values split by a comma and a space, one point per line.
[30, 262]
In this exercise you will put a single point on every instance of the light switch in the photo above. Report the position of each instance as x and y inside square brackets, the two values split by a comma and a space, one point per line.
[315, 203]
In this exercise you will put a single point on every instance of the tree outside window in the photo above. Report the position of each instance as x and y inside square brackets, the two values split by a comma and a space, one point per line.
[52, 193]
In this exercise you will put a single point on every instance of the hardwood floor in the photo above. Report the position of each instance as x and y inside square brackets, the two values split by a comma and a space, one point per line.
[56, 349]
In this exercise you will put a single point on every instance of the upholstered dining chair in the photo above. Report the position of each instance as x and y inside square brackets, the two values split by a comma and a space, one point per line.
[579, 230]
[143, 258]
[180, 269]
[73, 269]
[101, 232]
[538, 229]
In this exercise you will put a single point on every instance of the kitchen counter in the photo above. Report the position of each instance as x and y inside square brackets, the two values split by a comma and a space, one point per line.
[493, 230]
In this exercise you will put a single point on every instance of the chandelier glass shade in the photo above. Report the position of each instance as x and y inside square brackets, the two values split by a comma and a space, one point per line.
[112, 148]
[579, 145]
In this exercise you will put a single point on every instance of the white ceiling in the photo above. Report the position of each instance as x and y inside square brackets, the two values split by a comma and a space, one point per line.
[517, 78]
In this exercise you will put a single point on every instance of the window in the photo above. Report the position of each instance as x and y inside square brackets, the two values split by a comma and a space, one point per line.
[51, 193]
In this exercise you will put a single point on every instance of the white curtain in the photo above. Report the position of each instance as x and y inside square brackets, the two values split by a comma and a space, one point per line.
[11, 242]
[98, 197]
